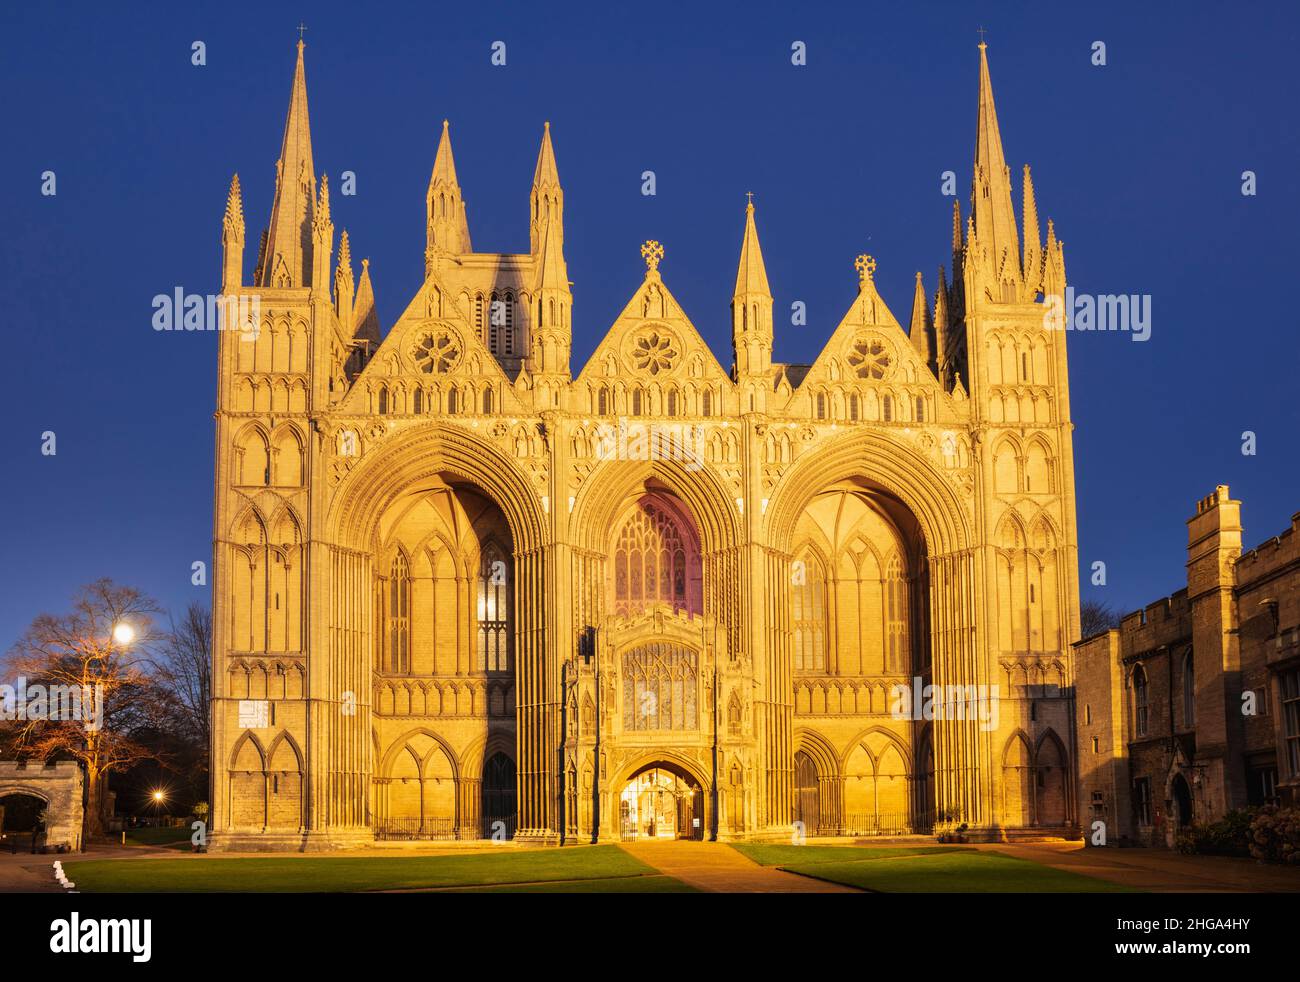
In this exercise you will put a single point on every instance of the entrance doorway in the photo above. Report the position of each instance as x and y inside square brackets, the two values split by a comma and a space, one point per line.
[661, 804]
[20, 822]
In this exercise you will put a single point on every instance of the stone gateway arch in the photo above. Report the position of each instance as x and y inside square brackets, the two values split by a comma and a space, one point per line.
[463, 592]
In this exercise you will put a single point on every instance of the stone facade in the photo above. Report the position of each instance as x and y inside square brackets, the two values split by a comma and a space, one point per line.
[1192, 707]
[461, 591]
[60, 787]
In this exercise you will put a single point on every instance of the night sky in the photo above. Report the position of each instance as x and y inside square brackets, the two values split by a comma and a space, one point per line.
[1138, 162]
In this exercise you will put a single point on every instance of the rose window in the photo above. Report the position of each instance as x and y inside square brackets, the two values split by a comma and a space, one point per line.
[436, 353]
[869, 358]
[654, 352]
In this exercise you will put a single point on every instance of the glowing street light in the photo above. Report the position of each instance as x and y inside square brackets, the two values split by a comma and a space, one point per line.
[123, 633]
[159, 796]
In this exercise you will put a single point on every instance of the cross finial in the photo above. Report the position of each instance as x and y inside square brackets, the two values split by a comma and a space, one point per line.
[981, 32]
[750, 196]
[866, 266]
[302, 28]
[652, 252]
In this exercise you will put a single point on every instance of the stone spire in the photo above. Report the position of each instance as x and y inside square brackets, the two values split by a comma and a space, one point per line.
[322, 227]
[364, 316]
[447, 225]
[1033, 258]
[551, 334]
[547, 199]
[751, 305]
[344, 287]
[286, 259]
[995, 221]
[941, 317]
[919, 330]
[232, 239]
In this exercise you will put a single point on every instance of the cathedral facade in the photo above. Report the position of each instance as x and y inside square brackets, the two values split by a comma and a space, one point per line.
[466, 589]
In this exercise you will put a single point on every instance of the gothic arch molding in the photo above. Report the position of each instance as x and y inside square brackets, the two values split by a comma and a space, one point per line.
[401, 464]
[895, 466]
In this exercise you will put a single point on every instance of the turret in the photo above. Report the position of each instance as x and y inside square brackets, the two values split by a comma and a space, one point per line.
[446, 222]
[751, 318]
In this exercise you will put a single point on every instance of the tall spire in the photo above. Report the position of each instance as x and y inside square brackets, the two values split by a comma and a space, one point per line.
[751, 305]
[286, 261]
[546, 201]
[751, 274]
[919, 330]
[995, 220]
[447, 227]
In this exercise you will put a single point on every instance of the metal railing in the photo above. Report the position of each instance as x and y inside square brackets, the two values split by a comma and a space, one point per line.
[889, 824]
[397, 829]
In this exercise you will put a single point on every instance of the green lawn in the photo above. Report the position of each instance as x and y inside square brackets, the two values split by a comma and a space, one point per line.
[926, 870]
[163, 838]
[769, 855]
[324, 874]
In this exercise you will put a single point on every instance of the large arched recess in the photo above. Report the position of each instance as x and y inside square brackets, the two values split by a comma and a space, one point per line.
[895, 466]
[406, 463]
[401, 463]
[605, 493]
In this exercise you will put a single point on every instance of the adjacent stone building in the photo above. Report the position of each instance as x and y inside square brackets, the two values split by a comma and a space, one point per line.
[54, 789]
[464, 588]
[1191, 708]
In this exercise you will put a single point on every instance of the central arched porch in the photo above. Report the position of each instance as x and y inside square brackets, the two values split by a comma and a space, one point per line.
[659, 796]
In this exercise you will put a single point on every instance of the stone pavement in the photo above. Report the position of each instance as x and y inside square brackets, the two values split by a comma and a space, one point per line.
[26, 872]
[717, 868]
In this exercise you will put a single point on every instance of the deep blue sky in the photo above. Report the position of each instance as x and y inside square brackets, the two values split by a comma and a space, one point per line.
[1138, 162]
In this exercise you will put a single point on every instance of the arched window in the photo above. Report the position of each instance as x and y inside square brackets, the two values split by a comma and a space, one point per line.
[1140, 707]
[383, 400]
[808, 614]
[399, 608]
[451, 402]
[636, 402]
[1189, 690]
[897, 652]
[493, 610]
[498, 795]
[920, 409]
[672, 403]
[602, 402]
[821, 406]
[487, 401]
[417, 401]
[853, 407]
[656, 560]
[887, 410]
[660, 688]
[706, 404]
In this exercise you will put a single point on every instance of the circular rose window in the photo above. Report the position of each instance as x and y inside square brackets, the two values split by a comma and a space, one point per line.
[869, 358]
[654, 351]
[436, 353]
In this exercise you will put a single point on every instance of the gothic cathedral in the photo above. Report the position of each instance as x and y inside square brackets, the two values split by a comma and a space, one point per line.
[462, 591]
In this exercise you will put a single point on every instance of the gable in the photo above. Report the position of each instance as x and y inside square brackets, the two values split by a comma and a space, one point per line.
[653, 347]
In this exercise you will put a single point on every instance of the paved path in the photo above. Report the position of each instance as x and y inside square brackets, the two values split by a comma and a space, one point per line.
[29, 873]
[717, 868]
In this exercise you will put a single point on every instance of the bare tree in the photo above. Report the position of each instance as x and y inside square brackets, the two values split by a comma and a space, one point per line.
[185, 669]
[1095, 617]
[100, 653]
